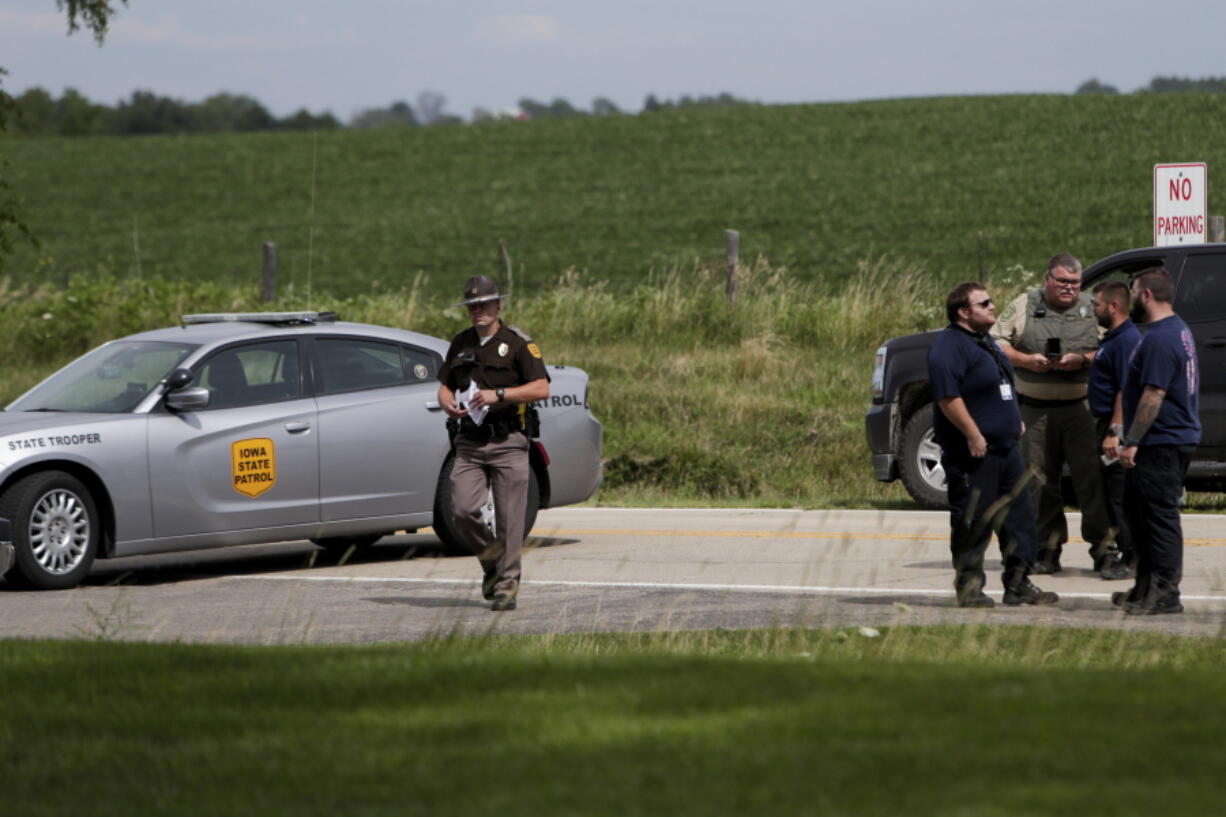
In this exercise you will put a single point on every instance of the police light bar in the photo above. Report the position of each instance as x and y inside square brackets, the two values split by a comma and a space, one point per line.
[259, 317]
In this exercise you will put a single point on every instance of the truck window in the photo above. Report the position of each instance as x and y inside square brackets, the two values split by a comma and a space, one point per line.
[1200, 294]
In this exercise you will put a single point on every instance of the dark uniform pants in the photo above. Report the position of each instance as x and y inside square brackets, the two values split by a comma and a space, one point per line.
[1113, 494]
[1151, 496]
[500, 465]
[1056, 435]
[985, 495]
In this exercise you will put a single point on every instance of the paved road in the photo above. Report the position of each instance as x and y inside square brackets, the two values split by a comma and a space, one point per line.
[594, 570]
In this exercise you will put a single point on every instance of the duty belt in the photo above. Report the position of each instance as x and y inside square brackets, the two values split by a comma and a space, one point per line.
[494, 430]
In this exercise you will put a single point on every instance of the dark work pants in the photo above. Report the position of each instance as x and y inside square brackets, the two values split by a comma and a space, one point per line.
[980, 504]
[1055, 436]
[1113, 494]
[1151, 498]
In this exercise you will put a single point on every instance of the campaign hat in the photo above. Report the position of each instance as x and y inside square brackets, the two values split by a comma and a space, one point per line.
[479, 289]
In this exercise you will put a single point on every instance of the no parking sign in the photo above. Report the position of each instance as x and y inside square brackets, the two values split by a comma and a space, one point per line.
[1181, 199]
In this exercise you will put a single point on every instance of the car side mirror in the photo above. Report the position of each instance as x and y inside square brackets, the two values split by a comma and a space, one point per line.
[192, 399]
[178, 378]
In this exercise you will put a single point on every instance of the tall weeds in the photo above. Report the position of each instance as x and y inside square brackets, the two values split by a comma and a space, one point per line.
[755, 400]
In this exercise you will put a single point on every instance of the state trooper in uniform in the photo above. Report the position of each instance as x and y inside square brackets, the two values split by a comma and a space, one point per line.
[1051, 336]
[496, 368]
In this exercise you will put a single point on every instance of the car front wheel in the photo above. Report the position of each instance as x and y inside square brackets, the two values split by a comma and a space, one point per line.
[55, 530]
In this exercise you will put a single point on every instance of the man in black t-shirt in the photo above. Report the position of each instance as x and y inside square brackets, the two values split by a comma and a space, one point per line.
[491, 375]
[977, 424]
[1161, 402]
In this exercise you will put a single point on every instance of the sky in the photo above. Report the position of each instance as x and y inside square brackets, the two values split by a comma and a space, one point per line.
[344, 57]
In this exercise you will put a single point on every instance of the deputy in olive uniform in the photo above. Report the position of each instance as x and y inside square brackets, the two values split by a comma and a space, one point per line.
[1051, 336]
[497, 368]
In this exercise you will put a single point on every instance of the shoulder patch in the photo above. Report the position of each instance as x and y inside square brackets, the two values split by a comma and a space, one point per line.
[533, 350]
[523, 335]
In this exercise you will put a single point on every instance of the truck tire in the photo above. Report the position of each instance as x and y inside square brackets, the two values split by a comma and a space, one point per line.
[444, 518]
[919, 462]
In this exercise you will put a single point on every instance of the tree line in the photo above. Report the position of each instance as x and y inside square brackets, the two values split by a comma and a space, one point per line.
[1161, 85]
[37, 113]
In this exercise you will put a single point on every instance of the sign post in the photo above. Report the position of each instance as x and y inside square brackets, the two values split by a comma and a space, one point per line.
[1181, 203]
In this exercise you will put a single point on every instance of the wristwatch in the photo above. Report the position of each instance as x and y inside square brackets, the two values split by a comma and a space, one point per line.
[1116, 430]
[1129, 443]
[502, 394]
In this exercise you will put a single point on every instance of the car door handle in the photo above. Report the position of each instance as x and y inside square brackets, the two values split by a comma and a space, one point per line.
[432, 405]
[297, 428]
[1215, 343]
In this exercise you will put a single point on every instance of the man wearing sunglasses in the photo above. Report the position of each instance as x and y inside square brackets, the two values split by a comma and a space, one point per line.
[1051, 336]
[492, 373]
[978, 426]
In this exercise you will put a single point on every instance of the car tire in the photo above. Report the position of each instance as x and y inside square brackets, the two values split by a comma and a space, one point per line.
[444, 516]
[343, 542]
[55, 530]
[919, 463]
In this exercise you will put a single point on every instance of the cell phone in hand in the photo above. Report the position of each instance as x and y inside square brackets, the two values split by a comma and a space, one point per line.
[1053, 349]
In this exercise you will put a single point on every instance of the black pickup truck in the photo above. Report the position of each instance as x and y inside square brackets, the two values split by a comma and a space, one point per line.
[899, 422]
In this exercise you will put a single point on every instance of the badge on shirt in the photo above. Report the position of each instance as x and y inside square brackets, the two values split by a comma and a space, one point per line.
[503, 349]
[1006, 390]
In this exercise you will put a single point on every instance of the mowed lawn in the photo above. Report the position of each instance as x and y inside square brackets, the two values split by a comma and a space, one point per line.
[970, 720]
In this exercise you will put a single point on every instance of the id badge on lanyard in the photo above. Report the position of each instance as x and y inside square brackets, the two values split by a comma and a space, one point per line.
[1006, 390]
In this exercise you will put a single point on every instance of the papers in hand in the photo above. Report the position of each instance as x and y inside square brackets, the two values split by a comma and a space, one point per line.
[463, 398]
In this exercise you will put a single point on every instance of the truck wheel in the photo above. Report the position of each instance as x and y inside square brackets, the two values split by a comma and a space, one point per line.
[444, 516]
[55, 530]
[920, 462]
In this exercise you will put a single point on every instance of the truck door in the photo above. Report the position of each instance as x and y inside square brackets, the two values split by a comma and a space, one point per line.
[1200, 299]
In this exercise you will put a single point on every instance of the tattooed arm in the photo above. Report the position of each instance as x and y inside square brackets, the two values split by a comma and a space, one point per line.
[1147, 412]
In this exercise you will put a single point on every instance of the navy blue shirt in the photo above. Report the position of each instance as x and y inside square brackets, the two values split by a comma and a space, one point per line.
[1107, 371]
[962, 364]
[1166, 359]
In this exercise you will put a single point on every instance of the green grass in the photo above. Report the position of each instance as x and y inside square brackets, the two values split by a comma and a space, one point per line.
[952, 720]
[704, 402]
[814, 188]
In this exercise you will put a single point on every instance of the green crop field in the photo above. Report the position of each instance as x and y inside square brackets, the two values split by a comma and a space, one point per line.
[813, 188]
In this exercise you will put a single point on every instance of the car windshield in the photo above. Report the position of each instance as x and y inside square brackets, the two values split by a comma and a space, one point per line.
[113, 378]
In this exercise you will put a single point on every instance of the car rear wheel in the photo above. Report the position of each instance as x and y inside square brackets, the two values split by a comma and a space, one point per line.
[444, 516]
[919, 464]
[55, 530]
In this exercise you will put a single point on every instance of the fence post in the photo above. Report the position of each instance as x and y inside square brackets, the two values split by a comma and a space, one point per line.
[268, 291]
[1217, 229]
[508, 270]
[732, 252]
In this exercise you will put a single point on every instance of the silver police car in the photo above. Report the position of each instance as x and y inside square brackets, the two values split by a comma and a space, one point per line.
[244, 428]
